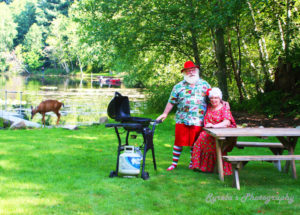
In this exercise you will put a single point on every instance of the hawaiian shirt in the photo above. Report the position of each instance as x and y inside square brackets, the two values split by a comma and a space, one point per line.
[190, 101]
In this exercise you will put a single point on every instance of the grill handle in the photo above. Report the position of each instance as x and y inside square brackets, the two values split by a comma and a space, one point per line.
[155, 122]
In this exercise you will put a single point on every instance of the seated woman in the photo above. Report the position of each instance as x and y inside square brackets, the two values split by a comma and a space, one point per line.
[217, 116]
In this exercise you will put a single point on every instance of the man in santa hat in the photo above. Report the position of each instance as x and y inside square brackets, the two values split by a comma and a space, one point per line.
[189, 96]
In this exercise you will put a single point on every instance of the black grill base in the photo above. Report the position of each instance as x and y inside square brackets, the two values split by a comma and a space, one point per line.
[147, 144]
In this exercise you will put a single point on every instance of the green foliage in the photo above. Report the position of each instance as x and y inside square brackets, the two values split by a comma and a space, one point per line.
[136, 39]
[6, 1]
[53, 71]
[159, 91]
[24, 19]
[1, 123]
[31, 53]
[7, 28]
[49, 10]
[271, 104]
[93, 68]
[7, 34]
[32, 59]
[295, 54]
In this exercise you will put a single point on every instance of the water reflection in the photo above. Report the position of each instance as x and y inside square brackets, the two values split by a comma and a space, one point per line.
[85, 100]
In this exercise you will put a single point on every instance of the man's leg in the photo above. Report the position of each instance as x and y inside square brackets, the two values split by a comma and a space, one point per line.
[176, 155]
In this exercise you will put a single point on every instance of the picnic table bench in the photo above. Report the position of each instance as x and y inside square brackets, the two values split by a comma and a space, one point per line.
[237, 163]
[242, 144]
[287, 136]
[276, 148]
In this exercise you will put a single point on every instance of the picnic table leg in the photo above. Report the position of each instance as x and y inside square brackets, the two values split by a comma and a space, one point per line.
[219, 159]
[292, 162]
[287, 166]
[290, 143]
[236, 179]
[277, 151]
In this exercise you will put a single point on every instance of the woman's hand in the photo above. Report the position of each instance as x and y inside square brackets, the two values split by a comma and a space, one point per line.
[209, 125]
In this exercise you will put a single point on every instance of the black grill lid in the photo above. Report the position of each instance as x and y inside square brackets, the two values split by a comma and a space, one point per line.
[119, 107]
[119, 110]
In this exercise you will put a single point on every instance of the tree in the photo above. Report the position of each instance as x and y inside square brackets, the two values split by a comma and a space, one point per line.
[6, 1]
[59, 42]
[24, 21]
[32, 47]
[7, 34]
[48, 10]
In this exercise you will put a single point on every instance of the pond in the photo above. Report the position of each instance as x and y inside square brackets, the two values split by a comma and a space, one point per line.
[85, 100]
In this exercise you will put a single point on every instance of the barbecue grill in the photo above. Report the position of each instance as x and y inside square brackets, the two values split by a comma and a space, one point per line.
[119, 110]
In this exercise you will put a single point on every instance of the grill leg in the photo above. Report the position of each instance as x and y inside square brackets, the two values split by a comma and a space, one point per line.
[153, 157]
[115, 173]
[144, 175]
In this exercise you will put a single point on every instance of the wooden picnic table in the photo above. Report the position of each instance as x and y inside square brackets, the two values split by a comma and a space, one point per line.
[287, 136]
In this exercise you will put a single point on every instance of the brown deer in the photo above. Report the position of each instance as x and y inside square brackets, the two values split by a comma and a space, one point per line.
[47, 106]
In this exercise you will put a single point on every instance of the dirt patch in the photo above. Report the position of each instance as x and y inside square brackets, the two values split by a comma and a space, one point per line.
[256, 120]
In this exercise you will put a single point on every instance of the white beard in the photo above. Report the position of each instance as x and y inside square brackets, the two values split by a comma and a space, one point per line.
[193, 79]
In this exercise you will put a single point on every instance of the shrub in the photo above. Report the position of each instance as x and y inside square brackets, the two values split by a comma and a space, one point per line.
[271, 104]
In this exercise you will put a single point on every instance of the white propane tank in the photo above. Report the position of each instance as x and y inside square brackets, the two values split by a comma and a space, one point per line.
[129, 161]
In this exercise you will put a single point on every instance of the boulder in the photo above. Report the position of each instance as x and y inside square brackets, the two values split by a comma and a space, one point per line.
[103, 119]
[18, 125]
[70, 127]
[7, 124]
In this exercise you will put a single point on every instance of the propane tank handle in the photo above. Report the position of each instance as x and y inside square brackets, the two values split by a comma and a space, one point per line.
[129, 149]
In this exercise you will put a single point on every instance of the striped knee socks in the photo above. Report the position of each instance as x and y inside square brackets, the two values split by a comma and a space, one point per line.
[176, 154]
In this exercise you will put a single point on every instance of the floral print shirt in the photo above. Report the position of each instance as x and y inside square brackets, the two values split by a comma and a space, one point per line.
[190, 101]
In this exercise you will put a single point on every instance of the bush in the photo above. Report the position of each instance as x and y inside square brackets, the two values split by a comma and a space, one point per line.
[159, 91]
[271, 104]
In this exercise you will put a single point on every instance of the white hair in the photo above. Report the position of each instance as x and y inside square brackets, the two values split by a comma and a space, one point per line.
[215, 92]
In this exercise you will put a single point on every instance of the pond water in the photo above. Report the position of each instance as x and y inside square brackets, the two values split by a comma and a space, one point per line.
[85, 100]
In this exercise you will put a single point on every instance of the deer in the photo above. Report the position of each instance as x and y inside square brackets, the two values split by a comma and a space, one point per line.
[47, 106]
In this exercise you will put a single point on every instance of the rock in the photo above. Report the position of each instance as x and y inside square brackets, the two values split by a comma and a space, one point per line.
[18, 125]
[70, 127]
[6, 124]
[103, 119]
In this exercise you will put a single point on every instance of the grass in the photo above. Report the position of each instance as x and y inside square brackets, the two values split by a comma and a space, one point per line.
[57, 171]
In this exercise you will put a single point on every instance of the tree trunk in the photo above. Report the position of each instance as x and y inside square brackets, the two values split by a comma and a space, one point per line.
[220, 54]
[239, 67]
[65, 67]
[258, 80]
[80, 66]
[287, 31]
[214, 44]
[235, 71]
[279, 20]
[196, 50]
[194, 37]
[260, 46]
[281, 33]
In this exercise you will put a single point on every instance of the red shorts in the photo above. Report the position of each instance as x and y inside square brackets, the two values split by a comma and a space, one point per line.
[186, 135]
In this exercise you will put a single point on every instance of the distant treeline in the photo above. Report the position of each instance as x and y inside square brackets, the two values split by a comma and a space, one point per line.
[246, 47]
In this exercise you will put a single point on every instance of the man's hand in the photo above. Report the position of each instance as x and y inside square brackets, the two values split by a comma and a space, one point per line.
[168, 108]
[162, 117]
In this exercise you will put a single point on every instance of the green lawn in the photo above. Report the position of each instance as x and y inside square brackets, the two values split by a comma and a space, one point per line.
[57, 171]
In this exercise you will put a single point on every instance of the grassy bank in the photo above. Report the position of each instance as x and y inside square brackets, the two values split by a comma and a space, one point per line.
[56, 171]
